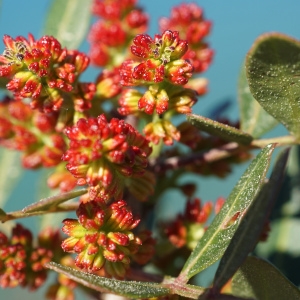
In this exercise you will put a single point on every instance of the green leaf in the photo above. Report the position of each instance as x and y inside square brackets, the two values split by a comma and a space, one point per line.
[68, 21]
[247, 234]
[254, 119]
[283, 245]
[273, 71]
[260, 280]
[10, 172]
[131, 289]
[289, 204]
[52, 202]
[217, 237]
[218, 129]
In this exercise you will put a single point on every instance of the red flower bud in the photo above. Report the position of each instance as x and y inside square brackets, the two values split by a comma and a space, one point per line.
[143, 46]
[129, 102]
[162, 129]
[183, 100]
[179, 71]
[148, 71]
[154, 98]
[108, 84]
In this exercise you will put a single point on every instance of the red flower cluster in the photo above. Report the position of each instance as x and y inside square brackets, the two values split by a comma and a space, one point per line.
[166, 74]
[162, 60]
[120, 22]
[104, 154]
[188, 228]
[44, 71]
[189, 20]
[31, 132]
[103, 238]
[176, 100]
[20, 262]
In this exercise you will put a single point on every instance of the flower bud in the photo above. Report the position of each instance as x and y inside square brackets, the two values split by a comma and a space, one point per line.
[162, 129]
[154, 98]
[179, 71]
[21, 263]
[129, 102]
[183, 100]
[108, 84]
[143, 46]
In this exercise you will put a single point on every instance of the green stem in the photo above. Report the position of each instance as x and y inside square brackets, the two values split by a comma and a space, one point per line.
[52, 202]
[156, 149]
[186, 290]
[44, 206]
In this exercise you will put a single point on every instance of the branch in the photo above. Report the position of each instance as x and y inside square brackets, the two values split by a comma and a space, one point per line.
[19, 214]
[227, 150]
[198, 159]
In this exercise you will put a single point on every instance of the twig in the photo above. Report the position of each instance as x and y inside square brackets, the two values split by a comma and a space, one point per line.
[158, 166]
[19, 214]
[195, 158]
